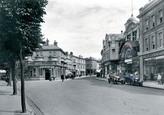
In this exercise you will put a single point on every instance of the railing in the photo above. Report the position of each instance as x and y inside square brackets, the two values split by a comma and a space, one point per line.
[42, 63]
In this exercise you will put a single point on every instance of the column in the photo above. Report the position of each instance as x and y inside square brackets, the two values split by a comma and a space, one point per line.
[141, 68]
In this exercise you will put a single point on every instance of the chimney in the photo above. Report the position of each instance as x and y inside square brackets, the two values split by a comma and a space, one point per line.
[55, 43]
[47, 42]
[121, 31]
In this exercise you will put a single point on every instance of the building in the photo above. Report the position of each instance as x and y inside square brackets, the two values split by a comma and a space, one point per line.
[50, 61]
[151, 39]
[91, 65]
[129, 60]
[46, 62]
[110, 53]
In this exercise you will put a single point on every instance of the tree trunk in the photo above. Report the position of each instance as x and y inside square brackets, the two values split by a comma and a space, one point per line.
[14, 79]
[10, 76]
[22, 84]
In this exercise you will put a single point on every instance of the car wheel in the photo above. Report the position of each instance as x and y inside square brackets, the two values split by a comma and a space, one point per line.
[141, 84]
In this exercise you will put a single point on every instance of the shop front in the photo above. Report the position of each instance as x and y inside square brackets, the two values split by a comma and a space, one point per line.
[153, 64]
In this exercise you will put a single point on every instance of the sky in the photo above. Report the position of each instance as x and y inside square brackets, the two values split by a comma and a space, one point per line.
[80, 26]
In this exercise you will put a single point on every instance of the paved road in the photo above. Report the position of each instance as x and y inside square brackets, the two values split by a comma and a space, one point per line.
[88, 96]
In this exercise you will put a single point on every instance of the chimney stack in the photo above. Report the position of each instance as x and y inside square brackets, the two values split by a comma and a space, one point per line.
[55, 43]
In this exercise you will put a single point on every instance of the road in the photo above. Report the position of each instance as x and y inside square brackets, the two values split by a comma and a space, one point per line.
[88, 96]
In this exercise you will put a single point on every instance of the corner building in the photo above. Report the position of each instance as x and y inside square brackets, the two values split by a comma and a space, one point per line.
[152, 39]
[48, 61]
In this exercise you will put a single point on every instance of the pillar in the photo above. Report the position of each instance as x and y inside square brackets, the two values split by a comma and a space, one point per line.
[141, 68]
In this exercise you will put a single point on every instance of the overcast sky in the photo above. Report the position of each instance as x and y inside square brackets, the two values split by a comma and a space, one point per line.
[79, 26]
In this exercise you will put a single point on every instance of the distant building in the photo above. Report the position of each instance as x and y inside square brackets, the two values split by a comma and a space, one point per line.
[91, 65]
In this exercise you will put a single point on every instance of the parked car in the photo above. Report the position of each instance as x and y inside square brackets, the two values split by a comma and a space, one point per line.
[132, 80]
[116, 79]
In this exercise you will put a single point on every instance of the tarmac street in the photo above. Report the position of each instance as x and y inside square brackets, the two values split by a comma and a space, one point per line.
[89, 96]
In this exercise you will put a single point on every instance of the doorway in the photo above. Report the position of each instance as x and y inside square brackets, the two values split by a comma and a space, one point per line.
[47, 74]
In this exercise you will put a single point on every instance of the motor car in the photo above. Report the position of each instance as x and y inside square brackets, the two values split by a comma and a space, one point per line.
[133, 80]
[116, 79]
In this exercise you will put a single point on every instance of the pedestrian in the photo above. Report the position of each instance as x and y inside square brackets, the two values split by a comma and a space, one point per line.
[62, 77]
[159, 77]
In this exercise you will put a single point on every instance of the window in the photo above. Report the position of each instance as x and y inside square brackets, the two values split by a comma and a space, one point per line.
[160, 39]
[153, 42]
[37, 54]
[113, 50]
[54, 53]
[41, 53]
[128, 37]
[153, 21]
[160, 16]
[134, 35]
[146, 45]
[50, 53]
[146, 24]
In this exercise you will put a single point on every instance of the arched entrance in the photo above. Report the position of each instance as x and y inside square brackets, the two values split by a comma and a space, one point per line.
[47, 74]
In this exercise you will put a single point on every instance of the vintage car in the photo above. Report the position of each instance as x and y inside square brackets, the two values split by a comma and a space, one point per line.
[116, 79]
[133, 80]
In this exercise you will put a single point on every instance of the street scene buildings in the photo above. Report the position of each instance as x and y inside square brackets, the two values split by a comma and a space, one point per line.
[140, 48]
[127, 80]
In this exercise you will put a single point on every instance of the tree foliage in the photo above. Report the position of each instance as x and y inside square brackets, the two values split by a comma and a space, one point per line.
[20, 32]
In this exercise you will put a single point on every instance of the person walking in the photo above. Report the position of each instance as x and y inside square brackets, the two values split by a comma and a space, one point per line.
[62, 77]
[159, 77]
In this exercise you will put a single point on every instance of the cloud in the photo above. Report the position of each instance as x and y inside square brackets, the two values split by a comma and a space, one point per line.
[80, 25]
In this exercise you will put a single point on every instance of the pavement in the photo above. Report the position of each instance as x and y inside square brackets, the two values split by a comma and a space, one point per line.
[148, 84]
[11, 104]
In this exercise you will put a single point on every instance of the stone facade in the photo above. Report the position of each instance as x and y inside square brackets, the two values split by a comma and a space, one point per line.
[152, 39]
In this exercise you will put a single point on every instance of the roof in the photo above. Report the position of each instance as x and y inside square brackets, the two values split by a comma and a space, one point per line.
[132, 19]
[51, 46]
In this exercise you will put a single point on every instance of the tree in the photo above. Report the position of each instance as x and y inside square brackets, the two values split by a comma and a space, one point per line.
[21, 32]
